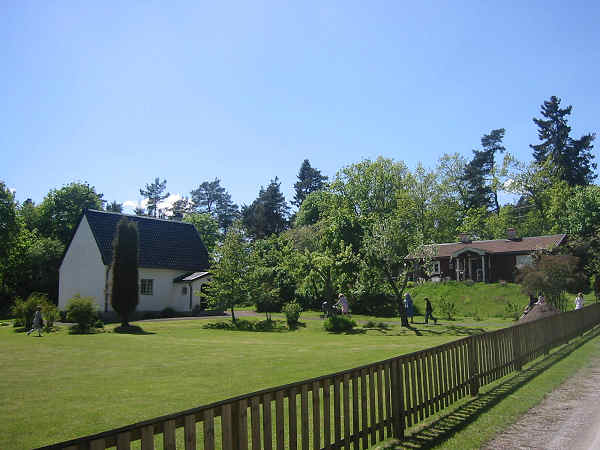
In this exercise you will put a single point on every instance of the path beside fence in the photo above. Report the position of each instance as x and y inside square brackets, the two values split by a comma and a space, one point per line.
[355, 408]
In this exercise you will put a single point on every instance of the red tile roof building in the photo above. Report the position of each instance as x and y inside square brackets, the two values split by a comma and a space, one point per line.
[491, 260]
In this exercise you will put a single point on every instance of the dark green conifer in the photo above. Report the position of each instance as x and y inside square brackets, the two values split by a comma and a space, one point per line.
[125, 292]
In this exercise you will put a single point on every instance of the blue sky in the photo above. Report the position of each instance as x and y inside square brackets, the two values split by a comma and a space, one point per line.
[118, 93]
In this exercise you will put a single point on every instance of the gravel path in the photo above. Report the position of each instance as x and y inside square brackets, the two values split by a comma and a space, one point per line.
[568, 418]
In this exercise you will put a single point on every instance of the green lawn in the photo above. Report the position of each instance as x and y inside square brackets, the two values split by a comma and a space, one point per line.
[63, 386]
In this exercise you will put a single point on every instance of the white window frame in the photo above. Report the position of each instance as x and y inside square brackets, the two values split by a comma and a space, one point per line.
[147, 286]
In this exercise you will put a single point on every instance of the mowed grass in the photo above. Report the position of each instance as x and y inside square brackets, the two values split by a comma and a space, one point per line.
[64, 386]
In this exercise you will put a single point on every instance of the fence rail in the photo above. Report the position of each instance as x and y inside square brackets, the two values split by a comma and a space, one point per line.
[355, 408]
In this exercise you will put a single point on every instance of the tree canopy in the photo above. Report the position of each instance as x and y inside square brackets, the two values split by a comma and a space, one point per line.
[155, 193]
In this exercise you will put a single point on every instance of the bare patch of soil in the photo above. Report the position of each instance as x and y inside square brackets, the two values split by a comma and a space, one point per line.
[568, 418]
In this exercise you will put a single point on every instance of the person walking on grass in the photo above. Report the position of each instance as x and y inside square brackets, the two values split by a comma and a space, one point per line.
[579, 301]
[429, 311]
[409, 307]
[37, 322]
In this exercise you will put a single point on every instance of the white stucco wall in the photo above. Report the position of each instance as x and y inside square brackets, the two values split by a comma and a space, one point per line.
[82, 271]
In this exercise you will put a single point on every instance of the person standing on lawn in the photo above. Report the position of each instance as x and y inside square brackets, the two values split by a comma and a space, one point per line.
[342, 303]
[579, 301]
[409, 307]
[37, 322]
[429, 311]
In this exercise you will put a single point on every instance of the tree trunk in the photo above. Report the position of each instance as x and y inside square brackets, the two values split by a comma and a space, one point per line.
[232, 315]
[398, 294]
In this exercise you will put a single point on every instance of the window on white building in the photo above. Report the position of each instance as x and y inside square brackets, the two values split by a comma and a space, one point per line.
[146, 287]
[184, 290]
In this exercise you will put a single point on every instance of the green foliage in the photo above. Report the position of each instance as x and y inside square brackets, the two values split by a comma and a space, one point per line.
[207, 227]
[581, 215]
[268, 214]
[231, 274]
[571, 159]
[114, 207]
[247, 325]
[309, 180]
[211, 198]
[292, 312]
[125, 291]
[447, 308]
[552, 275]
[512, 311]
[83, 312]
[339, 324]
[61, 209]
[23, 311]
[154, 192]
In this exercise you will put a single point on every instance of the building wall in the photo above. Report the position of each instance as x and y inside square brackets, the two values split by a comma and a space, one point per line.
[503, 267]
[82, 270]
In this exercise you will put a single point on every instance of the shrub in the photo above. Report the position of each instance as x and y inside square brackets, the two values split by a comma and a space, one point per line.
[512, 311]
[247, 325]
[476, 316]
[292, 312]
[23, 311]
[98, 324]
[50, 315]
[447, 308]
[339, 324]
[82, 312]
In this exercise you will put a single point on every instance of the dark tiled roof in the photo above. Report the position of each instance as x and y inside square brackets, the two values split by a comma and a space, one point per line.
[164, 244]
[524, 245]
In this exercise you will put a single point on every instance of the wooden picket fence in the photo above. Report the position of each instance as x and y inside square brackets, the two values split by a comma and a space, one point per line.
[355, 408]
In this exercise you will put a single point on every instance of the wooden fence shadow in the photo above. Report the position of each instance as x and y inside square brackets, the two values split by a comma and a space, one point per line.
[444, 428]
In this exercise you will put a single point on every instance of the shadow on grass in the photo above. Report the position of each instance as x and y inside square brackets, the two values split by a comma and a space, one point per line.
[131, 329]
[444, 428]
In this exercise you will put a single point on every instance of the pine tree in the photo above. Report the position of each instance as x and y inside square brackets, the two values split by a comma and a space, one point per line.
[212, 198]
[268, 214]
[309, 180]
[125, 293]
[114, 207]
[571, 158]
[477, 172]
[154, 194]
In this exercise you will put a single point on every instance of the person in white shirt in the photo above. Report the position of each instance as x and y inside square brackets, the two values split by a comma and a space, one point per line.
[579, 301]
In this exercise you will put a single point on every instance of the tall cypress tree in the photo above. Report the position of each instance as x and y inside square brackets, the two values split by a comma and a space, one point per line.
[125, 293]
[572, 159]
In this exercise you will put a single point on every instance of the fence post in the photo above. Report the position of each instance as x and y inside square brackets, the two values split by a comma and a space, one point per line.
[473, 365]
[397, 399]
[516, 347]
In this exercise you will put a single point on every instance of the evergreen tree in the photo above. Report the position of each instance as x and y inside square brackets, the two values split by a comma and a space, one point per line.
[268, 214]
[114, 207]
[572, 159]
[309, 180]
[154, 194]
[212, 198]
[125, 293]
[477, 172]
[180, 209]
[139, 211]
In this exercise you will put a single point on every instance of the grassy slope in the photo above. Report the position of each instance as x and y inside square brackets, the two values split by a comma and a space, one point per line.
[486, 299]
[62, 386]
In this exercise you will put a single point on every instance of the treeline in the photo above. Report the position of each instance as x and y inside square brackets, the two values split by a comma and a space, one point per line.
[352, 233]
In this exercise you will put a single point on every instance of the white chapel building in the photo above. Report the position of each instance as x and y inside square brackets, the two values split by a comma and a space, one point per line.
[173, 263]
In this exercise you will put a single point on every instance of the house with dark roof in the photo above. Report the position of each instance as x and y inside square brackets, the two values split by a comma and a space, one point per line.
[173, 262]
[490, 260]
